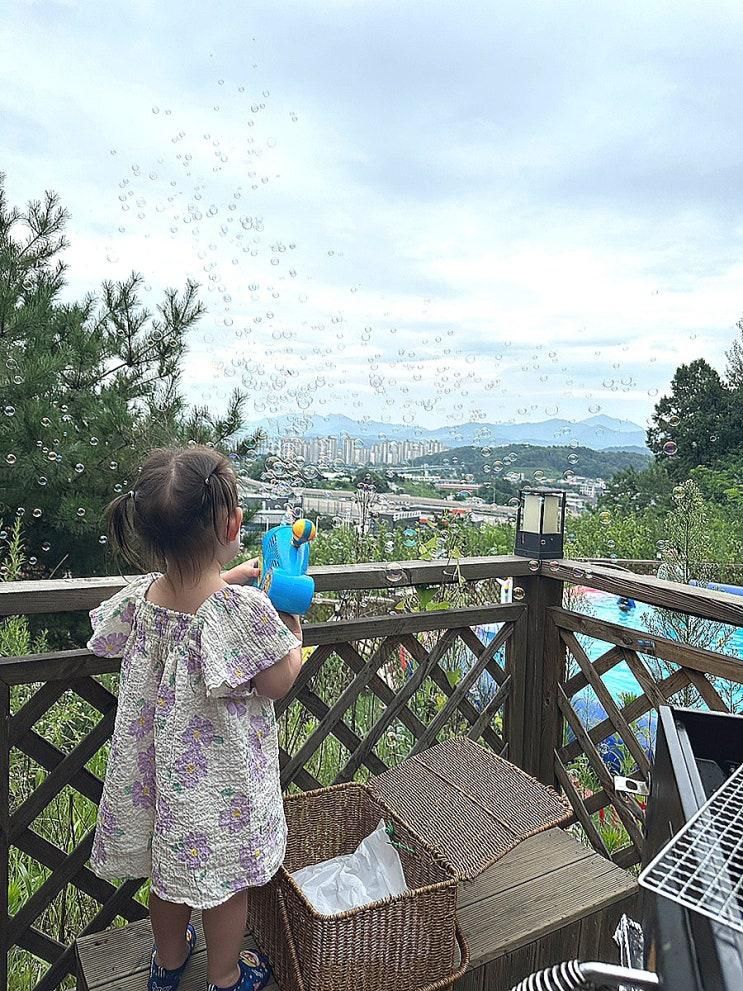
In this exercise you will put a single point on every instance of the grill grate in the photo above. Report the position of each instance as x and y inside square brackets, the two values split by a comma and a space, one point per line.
[701, 868]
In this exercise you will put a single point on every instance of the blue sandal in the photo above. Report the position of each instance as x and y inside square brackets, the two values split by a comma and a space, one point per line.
[255, 973]
[168, 980]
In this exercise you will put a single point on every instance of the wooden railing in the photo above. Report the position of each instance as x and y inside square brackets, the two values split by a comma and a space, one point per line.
[372, 690]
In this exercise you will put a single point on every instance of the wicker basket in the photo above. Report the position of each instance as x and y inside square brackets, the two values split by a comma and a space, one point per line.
[456, 809]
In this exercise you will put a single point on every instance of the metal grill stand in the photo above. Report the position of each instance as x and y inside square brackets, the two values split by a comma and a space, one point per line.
[701, 868]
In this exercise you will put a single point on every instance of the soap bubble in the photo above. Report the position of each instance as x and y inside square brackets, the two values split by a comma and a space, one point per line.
[394, 574]
[103, 539]
[670, 448]
[605, 518]
[10, 458]
[573, 459]
[518, 593]
[46, 546]
[36, 513]
[41, 480]
[81, 512]
[52, 456]
[9, 410]
[534, 566]
[79, 468]
[94, 442]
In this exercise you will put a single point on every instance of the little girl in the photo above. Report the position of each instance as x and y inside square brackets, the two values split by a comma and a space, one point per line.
[192, 797]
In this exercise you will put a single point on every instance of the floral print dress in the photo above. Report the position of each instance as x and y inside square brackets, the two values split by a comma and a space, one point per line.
[192, 797]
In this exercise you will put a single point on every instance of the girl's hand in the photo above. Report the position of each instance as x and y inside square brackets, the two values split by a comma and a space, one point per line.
[292, 622]
[244, 573]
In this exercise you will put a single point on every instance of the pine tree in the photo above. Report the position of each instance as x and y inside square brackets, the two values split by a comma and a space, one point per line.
[86, 389]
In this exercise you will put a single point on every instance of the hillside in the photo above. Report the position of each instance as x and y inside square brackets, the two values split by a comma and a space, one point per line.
[553, 461]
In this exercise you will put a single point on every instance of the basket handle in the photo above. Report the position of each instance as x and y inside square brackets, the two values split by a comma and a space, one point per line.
[451, 979]
[293, 956]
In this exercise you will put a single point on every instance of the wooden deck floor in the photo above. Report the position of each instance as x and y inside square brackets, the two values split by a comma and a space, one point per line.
[549, 899]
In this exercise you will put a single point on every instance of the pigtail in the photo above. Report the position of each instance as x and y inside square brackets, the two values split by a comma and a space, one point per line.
[121, 532]
[220, 496]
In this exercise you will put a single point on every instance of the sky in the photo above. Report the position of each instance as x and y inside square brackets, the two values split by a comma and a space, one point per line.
[421, 213]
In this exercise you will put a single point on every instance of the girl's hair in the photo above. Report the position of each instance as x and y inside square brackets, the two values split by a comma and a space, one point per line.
[177, 511]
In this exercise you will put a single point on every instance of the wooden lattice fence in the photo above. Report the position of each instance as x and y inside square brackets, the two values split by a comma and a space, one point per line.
[370, 692]
[665, 670]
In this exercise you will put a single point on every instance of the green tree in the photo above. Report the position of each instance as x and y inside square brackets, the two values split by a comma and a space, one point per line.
[87, 389]
[697, 424]
[606, 534]
[685, 557]
[734, 355]
[375, 479]
[632, 491]
[723, 485]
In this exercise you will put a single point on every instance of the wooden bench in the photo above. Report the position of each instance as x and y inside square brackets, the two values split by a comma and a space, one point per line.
[549, 899]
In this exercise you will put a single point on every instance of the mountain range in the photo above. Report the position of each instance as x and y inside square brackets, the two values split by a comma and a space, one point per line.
[598, 432]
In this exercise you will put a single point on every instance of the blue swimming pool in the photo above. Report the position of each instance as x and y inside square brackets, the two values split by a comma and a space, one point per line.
[602, 606]
[620, 678]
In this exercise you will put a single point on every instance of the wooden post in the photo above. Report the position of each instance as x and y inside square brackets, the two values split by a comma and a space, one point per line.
[4, 829]
[537, 668]
[514, 727]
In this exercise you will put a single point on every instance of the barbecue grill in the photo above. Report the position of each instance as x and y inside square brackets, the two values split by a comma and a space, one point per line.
[692, 879]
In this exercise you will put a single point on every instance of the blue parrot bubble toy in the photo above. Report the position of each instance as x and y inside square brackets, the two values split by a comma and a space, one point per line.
[286, 557]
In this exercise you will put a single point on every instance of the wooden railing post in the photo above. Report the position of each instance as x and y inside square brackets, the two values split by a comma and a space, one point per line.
[4, 829]
[537, 667]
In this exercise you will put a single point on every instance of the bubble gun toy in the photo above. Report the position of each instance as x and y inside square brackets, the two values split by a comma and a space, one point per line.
[286, 557]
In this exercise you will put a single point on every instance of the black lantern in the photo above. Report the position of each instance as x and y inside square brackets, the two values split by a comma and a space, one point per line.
[540, 524]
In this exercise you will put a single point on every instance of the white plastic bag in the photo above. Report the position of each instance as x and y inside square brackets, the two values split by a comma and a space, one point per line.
[371, 873]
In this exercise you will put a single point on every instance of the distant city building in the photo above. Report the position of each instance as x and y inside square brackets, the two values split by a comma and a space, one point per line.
[350, 450]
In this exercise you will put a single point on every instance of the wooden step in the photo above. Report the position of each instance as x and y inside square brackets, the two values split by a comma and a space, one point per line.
[547, 884]
[119, 959]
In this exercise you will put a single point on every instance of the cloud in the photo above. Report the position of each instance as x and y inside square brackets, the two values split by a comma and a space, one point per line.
[387, 197]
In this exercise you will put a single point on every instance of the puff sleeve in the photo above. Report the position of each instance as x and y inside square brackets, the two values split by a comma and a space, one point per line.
[112, 620]
[242, 635]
